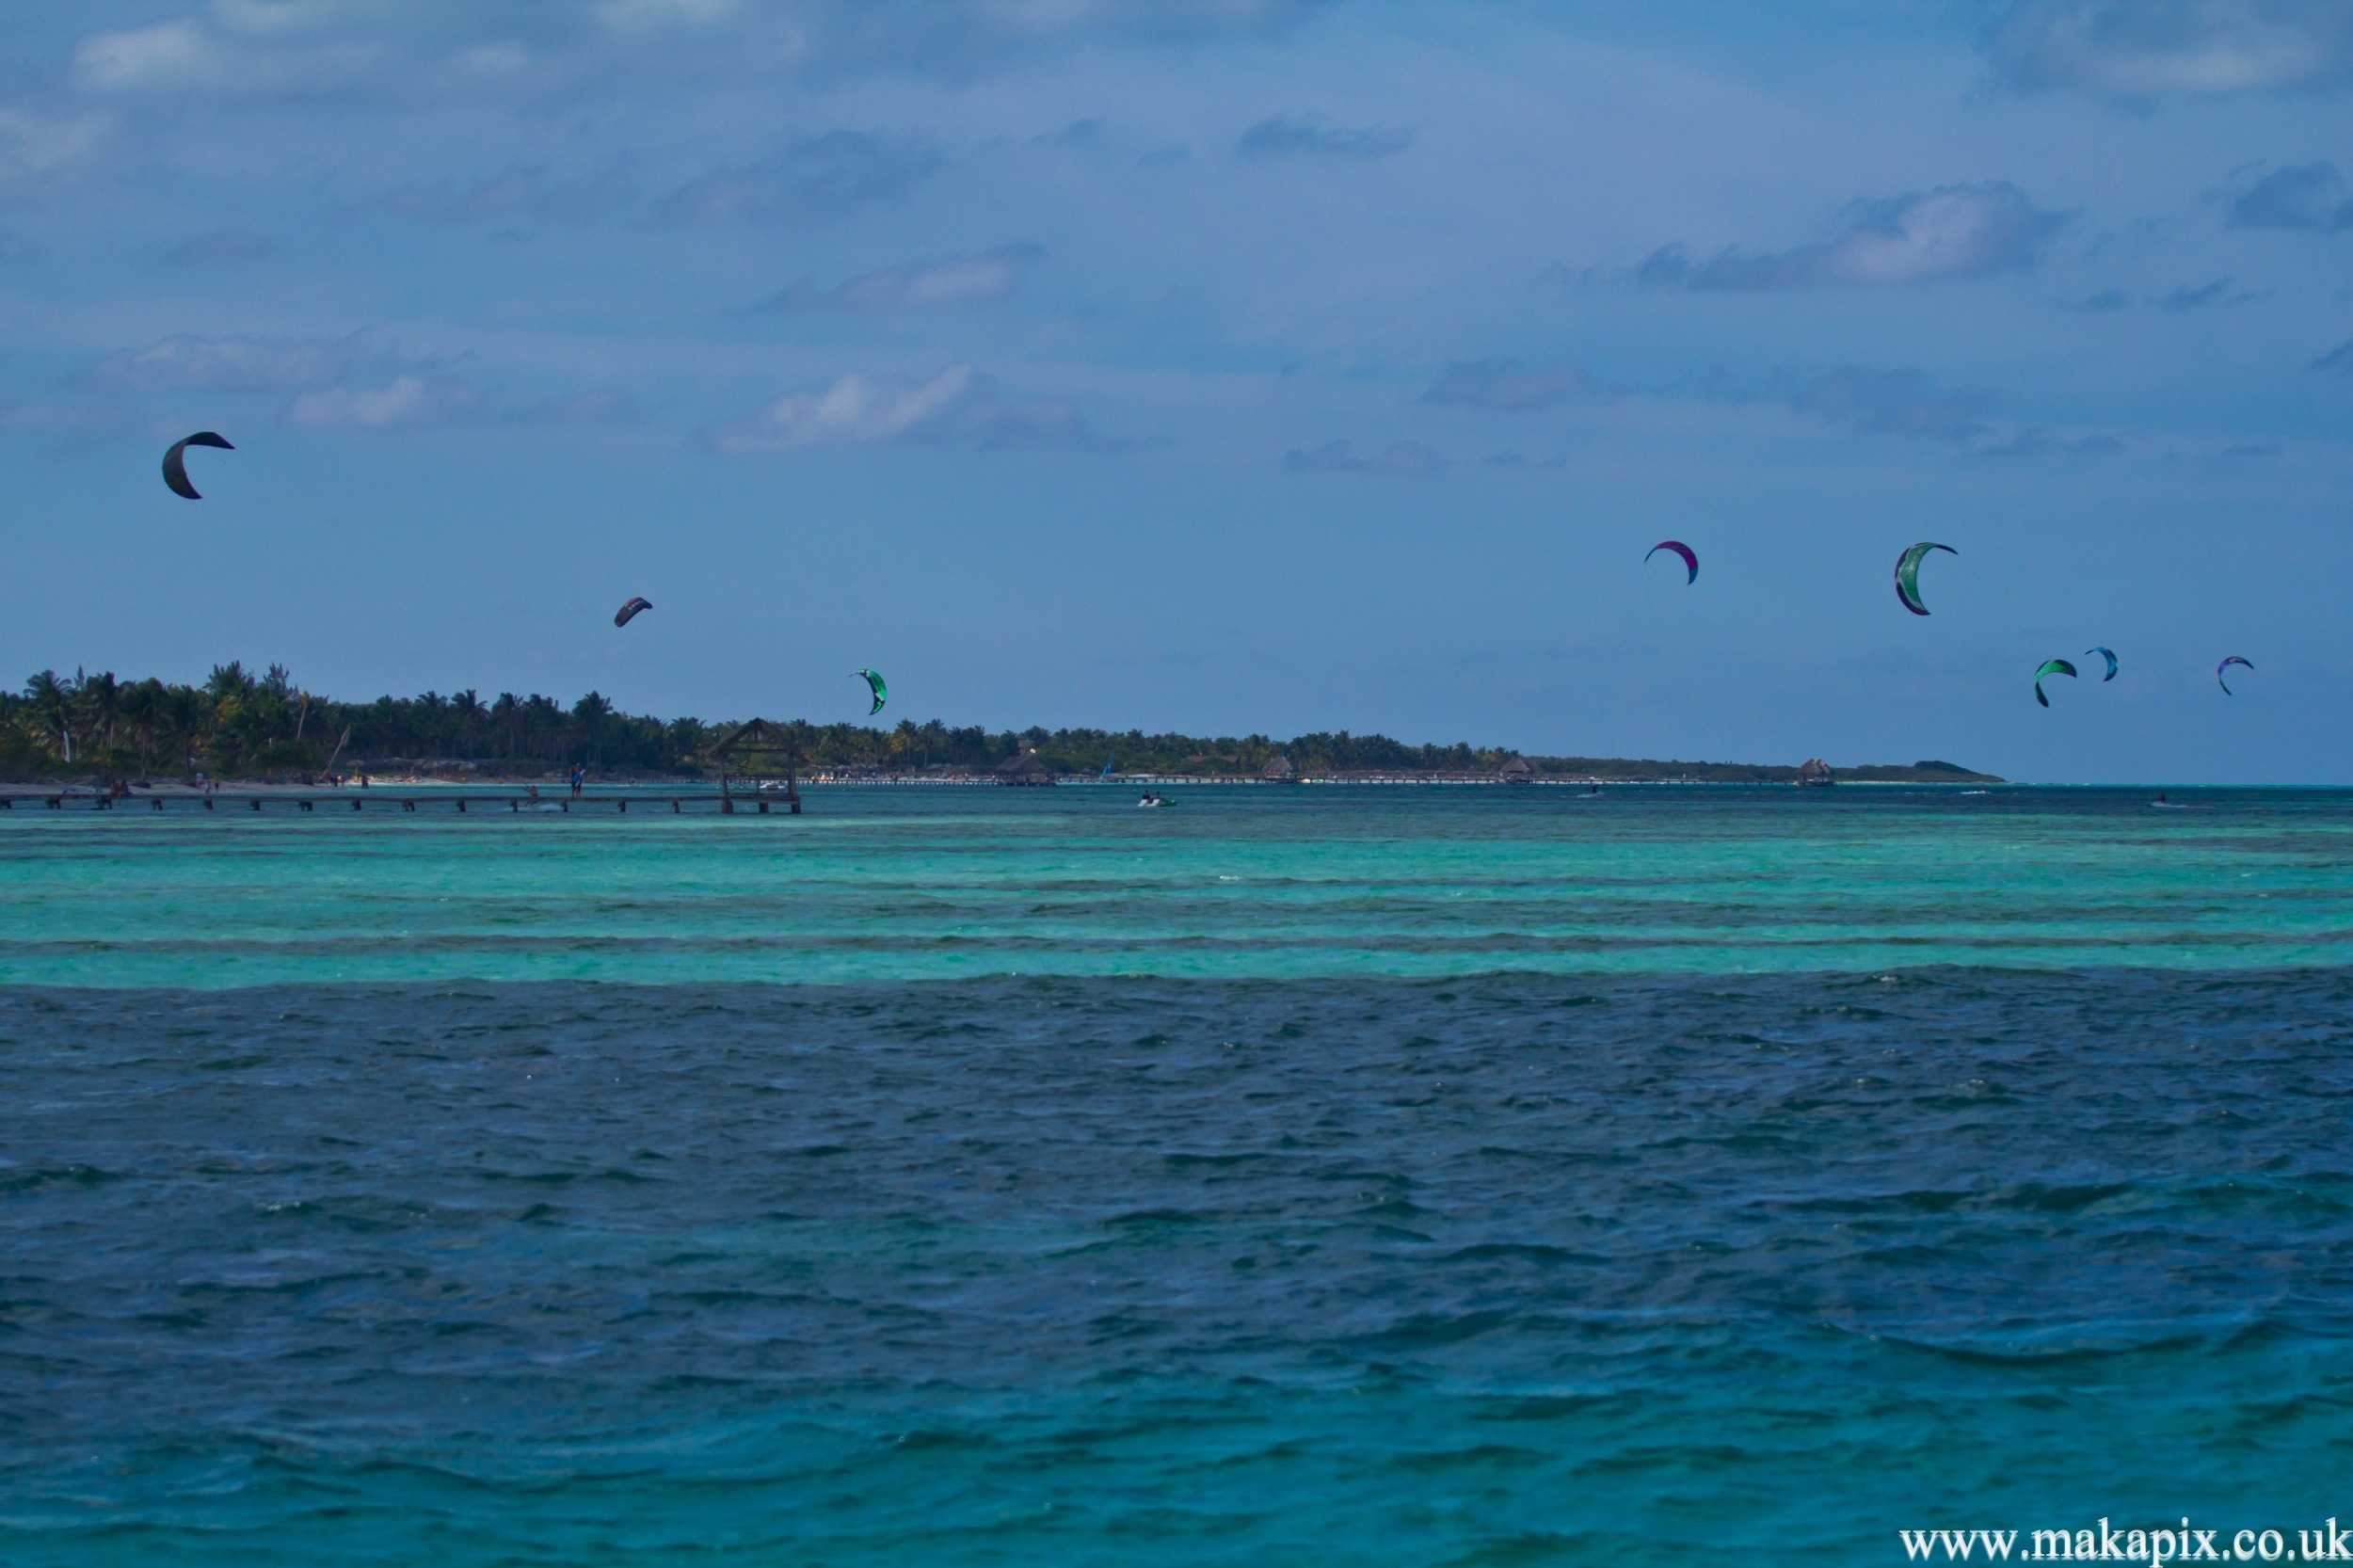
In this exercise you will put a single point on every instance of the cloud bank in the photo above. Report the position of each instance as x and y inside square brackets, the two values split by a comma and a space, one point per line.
[2137, 51]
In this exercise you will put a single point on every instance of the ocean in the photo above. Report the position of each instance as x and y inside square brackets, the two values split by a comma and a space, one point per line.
[1446, 1175]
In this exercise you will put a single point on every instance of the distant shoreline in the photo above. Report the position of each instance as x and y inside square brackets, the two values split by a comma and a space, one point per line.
[239, 726]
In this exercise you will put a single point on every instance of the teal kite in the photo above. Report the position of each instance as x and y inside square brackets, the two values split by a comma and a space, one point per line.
[2226, 664]
[2050, 667]
[1908, 574]
[2111, 659]
[875, 688]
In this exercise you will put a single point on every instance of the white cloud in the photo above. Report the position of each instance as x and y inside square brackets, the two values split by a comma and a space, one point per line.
[183, 56]
[1895, 403]
[256, 48]
[520, 191]
[915, 285]
[1506, 386]
[36, 146]
[1293, 136]
[957, 405]
[2133, 51]
[227, 364]
[1400, 459]
[404, 402]
[854, 409]
[812, 180]
[631, 16]
[1951, 231]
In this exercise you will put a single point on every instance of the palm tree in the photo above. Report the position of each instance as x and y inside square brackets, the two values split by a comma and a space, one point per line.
[592, 714]
[186, 712]
[506, 714]
[52, 706]
[466, 714]
[143, 709]
[101, 697]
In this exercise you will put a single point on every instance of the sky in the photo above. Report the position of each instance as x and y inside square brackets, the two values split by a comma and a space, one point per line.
[1226, 366]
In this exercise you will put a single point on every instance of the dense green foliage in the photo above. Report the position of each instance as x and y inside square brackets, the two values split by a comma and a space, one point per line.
[237, 725]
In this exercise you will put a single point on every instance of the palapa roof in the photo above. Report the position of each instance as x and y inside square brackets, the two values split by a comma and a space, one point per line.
[753, 735]
[1517, 768]
[1024, 766]
[1279, 768]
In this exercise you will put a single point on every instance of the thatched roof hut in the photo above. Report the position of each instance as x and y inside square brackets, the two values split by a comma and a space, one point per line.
[1815, 770]
[1516, 770]
[1024, 768]
[1278, 769]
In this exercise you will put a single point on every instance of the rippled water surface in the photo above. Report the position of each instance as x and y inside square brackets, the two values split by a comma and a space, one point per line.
[938, 883]
[409, 1189]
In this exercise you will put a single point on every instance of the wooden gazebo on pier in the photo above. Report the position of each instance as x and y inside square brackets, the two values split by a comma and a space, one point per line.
[756, 738]
[1024, 767]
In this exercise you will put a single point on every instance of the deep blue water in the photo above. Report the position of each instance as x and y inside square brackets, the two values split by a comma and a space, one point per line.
[1391, 1177]
[1499, 1270]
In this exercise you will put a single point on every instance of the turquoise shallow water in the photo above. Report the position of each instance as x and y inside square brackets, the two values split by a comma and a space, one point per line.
[878, 884]
[1391, 1177]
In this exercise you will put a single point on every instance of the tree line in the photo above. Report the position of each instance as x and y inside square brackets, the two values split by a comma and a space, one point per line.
[240, 724]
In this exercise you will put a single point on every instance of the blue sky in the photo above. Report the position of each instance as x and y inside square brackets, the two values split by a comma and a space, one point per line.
[1223, 366]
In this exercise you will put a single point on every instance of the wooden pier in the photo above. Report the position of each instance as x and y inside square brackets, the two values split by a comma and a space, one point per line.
[447, 802]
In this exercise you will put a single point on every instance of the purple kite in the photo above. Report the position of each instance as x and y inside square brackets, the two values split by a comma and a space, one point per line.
[2226, 664]
[1689, 559]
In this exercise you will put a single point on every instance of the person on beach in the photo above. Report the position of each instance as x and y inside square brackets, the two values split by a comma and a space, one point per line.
[578, 772]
